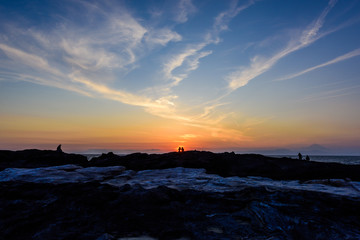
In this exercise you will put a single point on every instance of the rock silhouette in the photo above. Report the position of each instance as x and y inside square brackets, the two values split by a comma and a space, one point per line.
[223, 164]
[38, 158]
[231, 164]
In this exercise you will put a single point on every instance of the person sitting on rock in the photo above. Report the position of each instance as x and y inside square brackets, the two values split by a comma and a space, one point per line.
[58, 149]
[307, 158]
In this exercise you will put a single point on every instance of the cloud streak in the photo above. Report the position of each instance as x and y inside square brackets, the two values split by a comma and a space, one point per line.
[331, 94]
[190, 57]
[84, 59]
[196, 51]
[188, 60]
[222, 20]
[260, 65]
[341, 58]
[185, 8]
[28, 59]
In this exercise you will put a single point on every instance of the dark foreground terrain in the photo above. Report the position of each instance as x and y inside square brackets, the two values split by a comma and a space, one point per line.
[94, 210]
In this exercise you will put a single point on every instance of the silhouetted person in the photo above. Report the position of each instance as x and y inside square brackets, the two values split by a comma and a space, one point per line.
[300, 156]
[307, 158]
[179, 149]
[182, 149]
[58, 149]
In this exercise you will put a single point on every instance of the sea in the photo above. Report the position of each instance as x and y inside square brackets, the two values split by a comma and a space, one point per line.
[350, 160]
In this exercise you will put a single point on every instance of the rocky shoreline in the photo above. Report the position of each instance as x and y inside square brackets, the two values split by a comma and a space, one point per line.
[223, 164]
[92, 207]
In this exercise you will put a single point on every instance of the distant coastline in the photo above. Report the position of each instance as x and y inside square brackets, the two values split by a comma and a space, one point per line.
[344, 159]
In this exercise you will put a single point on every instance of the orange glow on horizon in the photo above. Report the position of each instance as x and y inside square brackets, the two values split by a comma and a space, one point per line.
[139, 133]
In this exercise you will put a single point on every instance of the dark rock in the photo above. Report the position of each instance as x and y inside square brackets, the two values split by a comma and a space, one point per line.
[223, 164]
[229, 164]
[99, 211]
[105, 160]
[33, 158]
[96, 211]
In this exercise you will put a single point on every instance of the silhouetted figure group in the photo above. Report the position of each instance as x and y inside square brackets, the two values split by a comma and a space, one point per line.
[307, 158]
[181, 149]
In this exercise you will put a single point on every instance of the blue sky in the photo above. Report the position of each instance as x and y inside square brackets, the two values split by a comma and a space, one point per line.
[203, 74]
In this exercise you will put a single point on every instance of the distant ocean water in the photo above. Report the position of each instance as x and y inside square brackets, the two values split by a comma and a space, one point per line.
[327, 158]
[89, 156]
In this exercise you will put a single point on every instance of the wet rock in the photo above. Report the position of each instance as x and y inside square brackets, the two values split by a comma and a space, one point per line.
[106, 236]
[60, 174]
[97, 211]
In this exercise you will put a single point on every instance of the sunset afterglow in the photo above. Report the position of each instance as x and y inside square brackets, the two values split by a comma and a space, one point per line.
[151, 76]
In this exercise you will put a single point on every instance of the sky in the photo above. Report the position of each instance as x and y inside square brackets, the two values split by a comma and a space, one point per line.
[153, 75]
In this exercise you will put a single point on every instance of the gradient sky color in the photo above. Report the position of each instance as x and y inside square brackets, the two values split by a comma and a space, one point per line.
[152, 75]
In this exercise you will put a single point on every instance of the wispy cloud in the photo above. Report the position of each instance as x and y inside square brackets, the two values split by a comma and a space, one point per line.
[28, 59]
[162, 36]
[221, 133]
[190, 57]
[117, 95]
[259, 65]
[188, 60]
[209, 112]
[341, 58]
[188, 136]
[331, 94]
[95, 59]
[84, 58]
[223, 19]
[312, 32]
[184, 9]
[194, 52]
[195, 61]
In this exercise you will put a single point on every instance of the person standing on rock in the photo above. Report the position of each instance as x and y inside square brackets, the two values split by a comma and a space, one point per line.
[182, 149]
[300, 156]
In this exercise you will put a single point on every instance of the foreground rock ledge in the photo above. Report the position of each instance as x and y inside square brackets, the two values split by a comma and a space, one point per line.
[96, 211]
